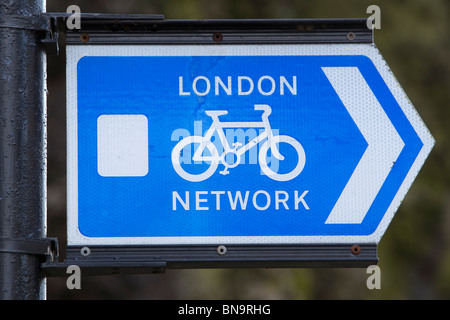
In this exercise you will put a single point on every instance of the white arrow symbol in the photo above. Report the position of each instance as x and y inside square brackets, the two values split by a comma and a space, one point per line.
[384, 145]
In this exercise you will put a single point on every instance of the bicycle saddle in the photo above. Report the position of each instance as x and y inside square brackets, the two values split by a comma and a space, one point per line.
[216, 112]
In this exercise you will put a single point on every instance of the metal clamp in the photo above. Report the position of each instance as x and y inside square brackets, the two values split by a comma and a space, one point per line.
[42, 23]
[37, 23]
[50, 42]
[44, 247]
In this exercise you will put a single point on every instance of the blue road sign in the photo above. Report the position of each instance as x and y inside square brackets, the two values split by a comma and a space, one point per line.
[237, 144]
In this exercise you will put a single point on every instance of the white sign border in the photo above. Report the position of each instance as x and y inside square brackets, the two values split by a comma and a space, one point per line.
[75, 52]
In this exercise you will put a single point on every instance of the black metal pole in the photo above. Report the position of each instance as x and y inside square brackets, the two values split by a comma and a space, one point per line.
[22, 149]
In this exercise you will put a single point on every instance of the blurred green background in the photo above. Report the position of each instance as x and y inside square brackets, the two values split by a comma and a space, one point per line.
[414, 252]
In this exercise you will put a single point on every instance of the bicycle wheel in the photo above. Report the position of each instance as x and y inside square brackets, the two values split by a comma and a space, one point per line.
[273, 174]
[190, 145]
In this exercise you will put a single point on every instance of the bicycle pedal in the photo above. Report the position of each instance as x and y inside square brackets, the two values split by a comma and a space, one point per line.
[224, 172]
[237, 144]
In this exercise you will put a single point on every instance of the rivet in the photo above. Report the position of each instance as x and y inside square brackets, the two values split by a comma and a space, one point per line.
[85, 251]
[221, 250]
[84, 37]
[355, 249]
[217, 36]
[351, 36]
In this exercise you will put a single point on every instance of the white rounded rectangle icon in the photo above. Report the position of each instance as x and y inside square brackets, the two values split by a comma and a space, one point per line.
[122, 145]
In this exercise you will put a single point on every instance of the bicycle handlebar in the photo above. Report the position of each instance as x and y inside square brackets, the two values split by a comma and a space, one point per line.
[264, 107]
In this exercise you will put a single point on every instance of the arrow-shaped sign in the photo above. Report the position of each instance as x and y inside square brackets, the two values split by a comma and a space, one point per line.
[230, 144]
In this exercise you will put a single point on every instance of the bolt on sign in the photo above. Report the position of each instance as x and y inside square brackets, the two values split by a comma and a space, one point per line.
[267, 138]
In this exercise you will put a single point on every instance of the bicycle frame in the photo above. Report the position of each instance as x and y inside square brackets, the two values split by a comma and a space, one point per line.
[218, 126]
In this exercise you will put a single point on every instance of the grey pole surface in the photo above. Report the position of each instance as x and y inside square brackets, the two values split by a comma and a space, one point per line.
[22, 150]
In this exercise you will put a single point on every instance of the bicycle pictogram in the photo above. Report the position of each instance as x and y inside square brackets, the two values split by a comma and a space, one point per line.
[213, 158]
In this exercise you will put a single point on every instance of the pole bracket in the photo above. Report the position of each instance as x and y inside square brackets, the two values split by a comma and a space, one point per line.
[44, 247]
[36, 23]
[52, 267]
[42, 23]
